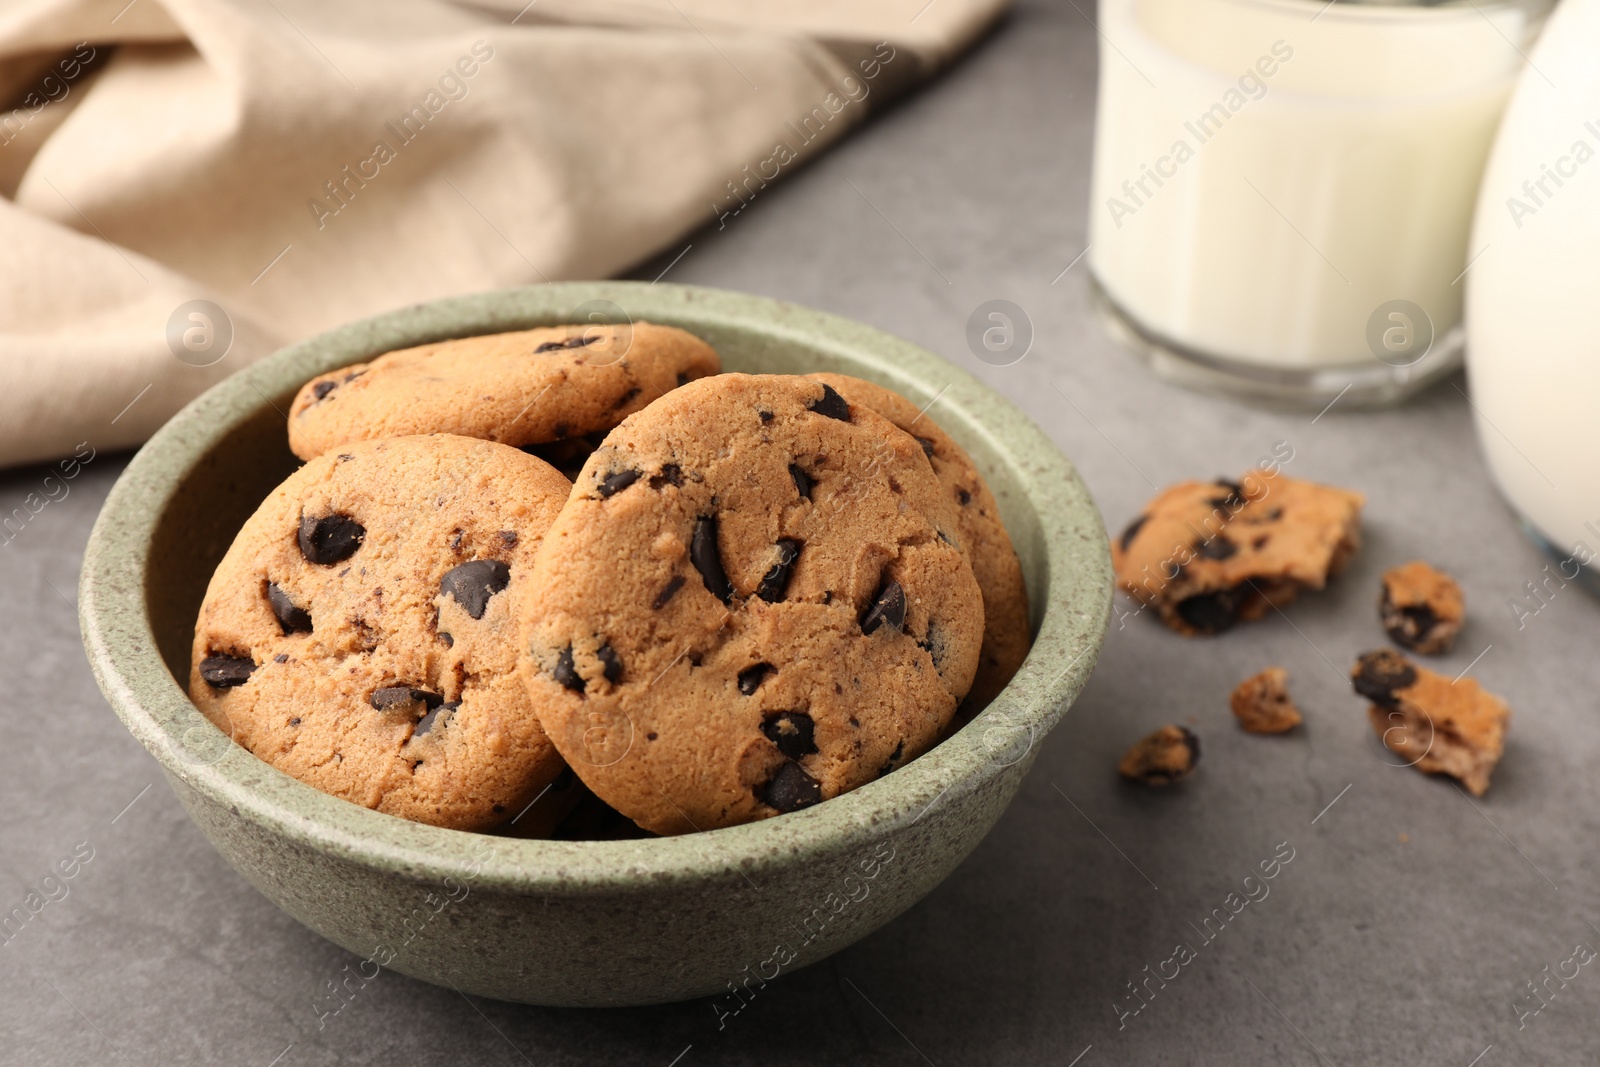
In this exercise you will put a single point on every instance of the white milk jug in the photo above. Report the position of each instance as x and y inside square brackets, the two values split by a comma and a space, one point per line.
[1533, 292]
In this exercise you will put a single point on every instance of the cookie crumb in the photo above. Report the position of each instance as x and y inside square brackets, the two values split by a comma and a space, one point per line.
[1162, 757]
[1422, 608]
[1437, 725]
[1261, 703]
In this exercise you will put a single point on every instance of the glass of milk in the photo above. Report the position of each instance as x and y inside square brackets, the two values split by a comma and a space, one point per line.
[1283, 189]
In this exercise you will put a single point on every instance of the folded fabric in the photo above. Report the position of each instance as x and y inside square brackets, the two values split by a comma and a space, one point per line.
[186, 185]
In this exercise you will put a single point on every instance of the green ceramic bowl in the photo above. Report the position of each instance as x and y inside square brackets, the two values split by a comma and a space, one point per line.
[586, 922]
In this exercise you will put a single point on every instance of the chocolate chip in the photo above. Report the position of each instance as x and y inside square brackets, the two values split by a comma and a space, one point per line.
[291, 619]
[1235, 498]
[1378, 675]
[610, 663]
[1409, 626]
[1211, 613]
[509, 538]
[894, 759]
[963, 496]
[572, 342]
[933, 644]
[616, 482]
[331, 538]
[766, 416]
[1190, 739]
[1423, 620]
[1131, 531]
[802, 480]
[671, 474]
[449, 642]
[927, 446]
[225, 672]
[345, 457]
[776, 581]
[281, 657]
[474, 582]
[750, 678]
[295, 721]
[668, 591]
[625, 398]
[1218, 548]
[434, 714]
[400, 696]
[566, 671]
[707, 558]
[322, 389]
[832, 405]
[792, 731]
[889, 606]
[791, 789]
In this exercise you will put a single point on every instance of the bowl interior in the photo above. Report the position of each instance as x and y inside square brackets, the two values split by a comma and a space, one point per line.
[177, 508]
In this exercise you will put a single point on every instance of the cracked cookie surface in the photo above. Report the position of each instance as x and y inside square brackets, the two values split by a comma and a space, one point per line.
[1006, 633]
[1208, 554]
[754, 600]
[358, 635]
[530, 387]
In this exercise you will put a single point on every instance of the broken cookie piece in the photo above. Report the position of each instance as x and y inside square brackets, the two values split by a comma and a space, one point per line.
[1436, 725]
[1208, 554]
[1422, 608]
[1161, 758]
[1262, 705]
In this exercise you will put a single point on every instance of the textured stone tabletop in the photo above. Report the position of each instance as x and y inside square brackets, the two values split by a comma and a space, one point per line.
[1404, 929]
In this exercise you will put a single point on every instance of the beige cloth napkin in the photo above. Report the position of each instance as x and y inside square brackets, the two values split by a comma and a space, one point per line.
[302, 163]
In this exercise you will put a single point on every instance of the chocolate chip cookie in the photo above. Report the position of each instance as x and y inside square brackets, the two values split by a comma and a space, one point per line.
[1006, 634]
[522, 388]
[754, 600]
[1208, 554]
[359, 633]
[1422, 608]
[1435, 724]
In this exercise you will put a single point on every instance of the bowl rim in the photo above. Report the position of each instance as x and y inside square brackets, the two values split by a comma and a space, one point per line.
[135, 680]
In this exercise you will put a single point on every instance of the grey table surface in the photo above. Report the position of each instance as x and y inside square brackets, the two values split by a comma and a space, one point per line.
[1404, 930]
